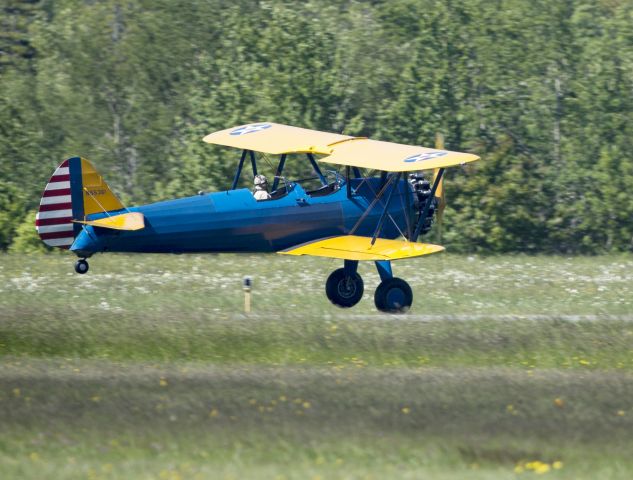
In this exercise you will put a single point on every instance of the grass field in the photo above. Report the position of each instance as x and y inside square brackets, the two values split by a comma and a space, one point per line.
[146, 367]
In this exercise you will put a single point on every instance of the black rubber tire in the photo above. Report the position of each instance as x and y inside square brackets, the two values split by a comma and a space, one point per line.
[81, 267]
[344, 291]
[393, 296]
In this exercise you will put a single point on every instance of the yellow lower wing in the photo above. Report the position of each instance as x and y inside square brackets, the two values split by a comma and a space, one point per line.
[125, 221]
[352, 247]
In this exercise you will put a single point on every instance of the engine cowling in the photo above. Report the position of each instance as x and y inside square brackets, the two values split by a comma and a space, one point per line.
[421, 192]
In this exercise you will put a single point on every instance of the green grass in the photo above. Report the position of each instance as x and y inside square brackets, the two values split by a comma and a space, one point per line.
[146, 367]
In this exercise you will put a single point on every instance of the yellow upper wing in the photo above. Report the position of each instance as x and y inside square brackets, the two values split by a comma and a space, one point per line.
[275, 138]
[393, 157]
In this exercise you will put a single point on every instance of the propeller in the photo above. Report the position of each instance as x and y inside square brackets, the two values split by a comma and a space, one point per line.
[439, 193]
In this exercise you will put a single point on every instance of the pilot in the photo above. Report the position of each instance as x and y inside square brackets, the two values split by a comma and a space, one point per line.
[261, 188]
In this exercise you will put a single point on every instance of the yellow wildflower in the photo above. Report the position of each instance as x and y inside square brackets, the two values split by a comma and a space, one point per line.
[163, 382]
[406, 410]
[559, 402]
[542, 468]
[213, 413]
[306, 404]
[557, 465]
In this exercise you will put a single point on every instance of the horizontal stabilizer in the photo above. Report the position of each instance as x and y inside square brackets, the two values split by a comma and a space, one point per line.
[125, 221]
[352, 247]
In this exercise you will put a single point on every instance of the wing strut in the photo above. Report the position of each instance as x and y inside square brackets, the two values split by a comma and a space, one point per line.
[253, 163]
[239, 170]
[280, 169]
[317, 170]
[427, 205]
[384, 212]
[369, 208]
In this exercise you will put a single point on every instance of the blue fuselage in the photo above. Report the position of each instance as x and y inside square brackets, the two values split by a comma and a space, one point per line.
[233, 221]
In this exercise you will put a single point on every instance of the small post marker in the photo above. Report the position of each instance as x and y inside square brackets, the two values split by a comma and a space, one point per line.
[247, 284]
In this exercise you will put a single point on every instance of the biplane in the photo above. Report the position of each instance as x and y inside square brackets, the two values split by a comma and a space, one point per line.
[373, 207]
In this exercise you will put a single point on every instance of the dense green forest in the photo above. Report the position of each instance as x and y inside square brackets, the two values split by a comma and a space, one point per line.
[542, 90]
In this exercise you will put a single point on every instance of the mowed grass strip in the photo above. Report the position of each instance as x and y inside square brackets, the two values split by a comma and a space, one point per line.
[570, 313]
[582, 406]
[313, 420]
[146, 368]
[315, 340]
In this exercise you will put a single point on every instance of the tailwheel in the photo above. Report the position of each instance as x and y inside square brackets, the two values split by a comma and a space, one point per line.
[393, 295]
[81, 266]
[344, 290]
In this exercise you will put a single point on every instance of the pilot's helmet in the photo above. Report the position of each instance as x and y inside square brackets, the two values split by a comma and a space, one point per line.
[260, 181]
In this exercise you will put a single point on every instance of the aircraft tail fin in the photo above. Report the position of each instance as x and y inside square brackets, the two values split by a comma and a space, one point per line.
[74, 191]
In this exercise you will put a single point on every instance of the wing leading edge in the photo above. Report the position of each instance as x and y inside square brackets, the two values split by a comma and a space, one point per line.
[353, 247]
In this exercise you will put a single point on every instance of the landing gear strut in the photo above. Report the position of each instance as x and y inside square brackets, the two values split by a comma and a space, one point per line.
[81, 266]
[344, 287]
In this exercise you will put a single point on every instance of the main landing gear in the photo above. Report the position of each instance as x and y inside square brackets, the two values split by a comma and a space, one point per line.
[81, 266]
[344, 288]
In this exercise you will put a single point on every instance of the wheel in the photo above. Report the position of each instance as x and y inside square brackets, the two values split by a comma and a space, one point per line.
[81, 266]
[343, 290]
[393, 296]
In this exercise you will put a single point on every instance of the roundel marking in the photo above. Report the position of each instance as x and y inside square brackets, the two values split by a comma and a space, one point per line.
[420, 157]
[252, 128]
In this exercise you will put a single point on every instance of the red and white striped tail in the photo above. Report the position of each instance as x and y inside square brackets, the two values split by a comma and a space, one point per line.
[54, 218]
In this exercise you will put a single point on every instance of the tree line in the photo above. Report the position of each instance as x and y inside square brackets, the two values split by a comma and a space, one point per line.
[541, 90]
